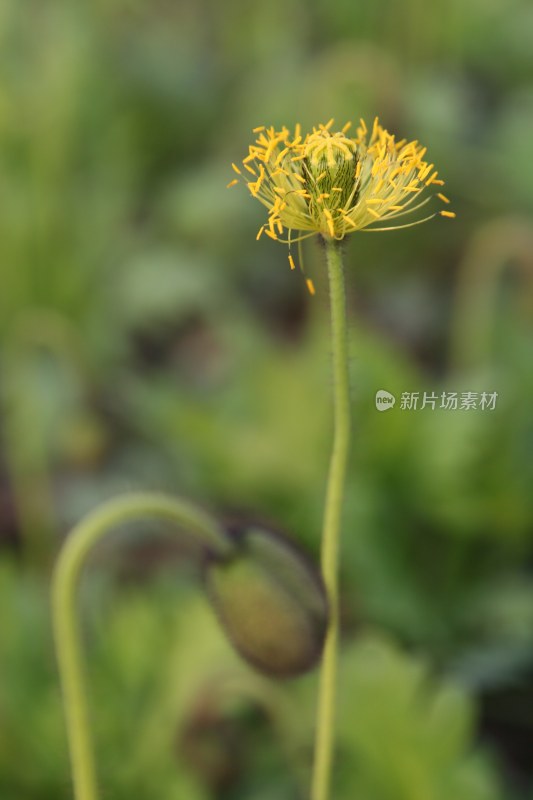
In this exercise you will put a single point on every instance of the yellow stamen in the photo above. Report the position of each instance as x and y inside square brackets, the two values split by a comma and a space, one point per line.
[450, 214]
[329, 221]
[234, 182]
[261, 177]
[386, 180]
[310, 286]
[348, 219]
[291, 262]
[268, 152]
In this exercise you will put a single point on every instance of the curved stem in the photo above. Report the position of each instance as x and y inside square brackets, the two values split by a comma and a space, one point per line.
[331, 529]
[65, 618]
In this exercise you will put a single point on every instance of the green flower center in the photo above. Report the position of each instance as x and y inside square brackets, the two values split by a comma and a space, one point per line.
[329, 170]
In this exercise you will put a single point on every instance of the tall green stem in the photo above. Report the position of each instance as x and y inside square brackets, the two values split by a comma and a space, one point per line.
[65, 617]
[332, 521]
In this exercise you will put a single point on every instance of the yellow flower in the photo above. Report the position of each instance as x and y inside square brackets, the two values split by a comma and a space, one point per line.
[331, 184]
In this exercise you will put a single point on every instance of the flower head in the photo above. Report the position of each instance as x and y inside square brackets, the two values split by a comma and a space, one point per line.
[328, 183]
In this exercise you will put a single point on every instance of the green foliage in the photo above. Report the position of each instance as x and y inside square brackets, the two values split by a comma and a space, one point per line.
[31, 729]
[155, 654]
[405, 735]
[171, 705]
[147, 340]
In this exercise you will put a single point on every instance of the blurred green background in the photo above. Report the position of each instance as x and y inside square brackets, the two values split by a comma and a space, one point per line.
[148, 341]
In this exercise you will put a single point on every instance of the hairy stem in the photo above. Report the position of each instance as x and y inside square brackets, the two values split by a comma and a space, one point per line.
[325, 732]
[65, 617]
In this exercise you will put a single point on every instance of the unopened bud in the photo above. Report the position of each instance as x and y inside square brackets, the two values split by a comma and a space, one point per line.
[271, 602]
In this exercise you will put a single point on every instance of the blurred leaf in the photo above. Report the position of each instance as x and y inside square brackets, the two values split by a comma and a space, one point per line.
[405, 735]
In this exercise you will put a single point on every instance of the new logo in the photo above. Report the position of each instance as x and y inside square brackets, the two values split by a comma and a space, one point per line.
[384, 400]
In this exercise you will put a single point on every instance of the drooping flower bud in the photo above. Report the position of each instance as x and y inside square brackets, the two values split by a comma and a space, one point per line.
[271, 602]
